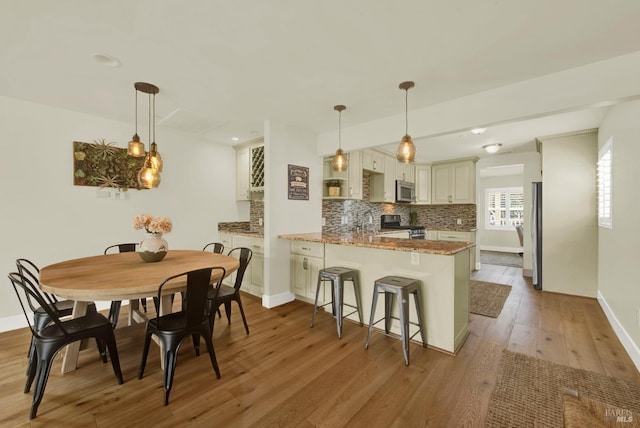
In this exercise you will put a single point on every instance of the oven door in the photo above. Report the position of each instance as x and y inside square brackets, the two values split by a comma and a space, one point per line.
[405, 191]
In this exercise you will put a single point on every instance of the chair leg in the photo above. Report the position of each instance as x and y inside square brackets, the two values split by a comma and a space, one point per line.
[196, 343]
[315, 303]
[145, 353]
[212, 354]
[244, 319]
[143, 302]
[31, 370]
[169, 370]
[101, 349]
[356, 290]
[227, 310]
[114, 313]
[45, 360]
[374, 303]
[418, 303]
[109, 338]
[388, 308]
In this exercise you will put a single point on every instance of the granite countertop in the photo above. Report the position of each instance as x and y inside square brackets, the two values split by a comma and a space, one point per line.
[446, 248]
[249, 233]
[241, 228]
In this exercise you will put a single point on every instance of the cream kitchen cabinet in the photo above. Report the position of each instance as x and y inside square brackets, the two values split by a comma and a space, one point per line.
[444, 235]
[423, 184]
[453, 182]
[350, 181]
[382, 187]
[253, 280]
[373, 161]
[405, 172]
[307, 258]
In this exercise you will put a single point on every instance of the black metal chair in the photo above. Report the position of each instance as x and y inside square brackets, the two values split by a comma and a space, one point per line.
[50, 339]
[41, 318]
[193, 320]
[114, 311]
[216, 247]
[227, 294]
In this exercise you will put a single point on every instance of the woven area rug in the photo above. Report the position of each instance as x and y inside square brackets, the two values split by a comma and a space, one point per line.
[499, 258]
[487, 298]
[529, 393]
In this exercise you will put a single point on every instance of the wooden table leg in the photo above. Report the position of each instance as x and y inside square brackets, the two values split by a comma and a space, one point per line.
[70, 360]
[134, 308]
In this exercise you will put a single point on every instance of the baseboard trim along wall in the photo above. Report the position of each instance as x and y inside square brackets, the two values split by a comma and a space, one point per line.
[628, 344]
[277, 299]
[501, 249]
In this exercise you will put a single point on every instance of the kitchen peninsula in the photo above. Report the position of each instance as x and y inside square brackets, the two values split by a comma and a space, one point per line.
[441, 266]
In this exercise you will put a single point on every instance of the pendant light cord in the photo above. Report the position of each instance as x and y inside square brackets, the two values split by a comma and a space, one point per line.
[136, 111]
[406, 112]
[149, 117]
[340, 129]
[154, 118]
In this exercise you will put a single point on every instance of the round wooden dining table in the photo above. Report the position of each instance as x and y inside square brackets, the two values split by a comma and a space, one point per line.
[123, 276]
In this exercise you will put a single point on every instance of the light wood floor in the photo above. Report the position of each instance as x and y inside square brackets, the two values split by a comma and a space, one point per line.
[286, 374]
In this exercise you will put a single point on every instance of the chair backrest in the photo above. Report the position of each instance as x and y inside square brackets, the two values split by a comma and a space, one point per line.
[195, 296]
[26, 290]
[30, 271]
[122, 248]
[217, 247]
[243, 254]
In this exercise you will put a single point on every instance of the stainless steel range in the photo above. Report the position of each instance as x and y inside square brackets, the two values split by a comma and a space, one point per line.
[392, 221]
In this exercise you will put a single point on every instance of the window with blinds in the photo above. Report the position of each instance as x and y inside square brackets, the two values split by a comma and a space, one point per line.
[605, 184]
[505, 208]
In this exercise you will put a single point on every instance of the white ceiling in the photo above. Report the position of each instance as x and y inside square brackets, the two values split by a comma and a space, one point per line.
[223, 67]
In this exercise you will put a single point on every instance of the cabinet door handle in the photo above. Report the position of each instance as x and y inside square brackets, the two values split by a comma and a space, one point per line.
[305, 264]
[350, 191]
[374, 164]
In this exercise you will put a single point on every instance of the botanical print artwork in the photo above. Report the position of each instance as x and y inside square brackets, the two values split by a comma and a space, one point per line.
[102, 164]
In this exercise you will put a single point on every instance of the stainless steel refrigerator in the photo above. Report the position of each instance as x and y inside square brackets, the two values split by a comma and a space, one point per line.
[536, 233]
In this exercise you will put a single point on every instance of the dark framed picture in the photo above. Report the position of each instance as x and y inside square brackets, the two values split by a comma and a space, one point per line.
[298, 182]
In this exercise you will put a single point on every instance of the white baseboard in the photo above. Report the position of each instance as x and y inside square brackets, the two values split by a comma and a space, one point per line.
[628, 343]
[277, 299]
[516, 250]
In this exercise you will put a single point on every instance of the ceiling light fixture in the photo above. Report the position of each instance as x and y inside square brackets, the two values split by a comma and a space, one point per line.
[149, 174]
[478, 131]
[406, 150]
[339, 161]
[106, 60]
[136, 147]
[492, 148]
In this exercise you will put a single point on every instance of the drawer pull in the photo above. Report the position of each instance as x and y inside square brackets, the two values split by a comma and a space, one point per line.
[307, 249]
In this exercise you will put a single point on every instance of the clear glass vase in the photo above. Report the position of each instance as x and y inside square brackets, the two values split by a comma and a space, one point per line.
[153, 248]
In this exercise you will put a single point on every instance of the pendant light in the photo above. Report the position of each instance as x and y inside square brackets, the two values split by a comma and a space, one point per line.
[136, 147]
[149, 174]
[339, 161]
[406, 150]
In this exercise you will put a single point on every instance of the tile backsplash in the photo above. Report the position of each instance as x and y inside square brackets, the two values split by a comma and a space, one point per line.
[432, 217]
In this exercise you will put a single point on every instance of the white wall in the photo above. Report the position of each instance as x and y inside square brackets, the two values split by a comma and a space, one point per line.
[47, 219]
[283, 146]
[569, 220]
[618, 247]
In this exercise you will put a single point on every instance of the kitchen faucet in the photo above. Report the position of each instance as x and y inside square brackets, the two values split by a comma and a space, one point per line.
[367, 218]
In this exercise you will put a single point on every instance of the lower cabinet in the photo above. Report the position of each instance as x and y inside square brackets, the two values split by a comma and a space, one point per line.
[460, 237]
[253, 280]
[307, 258]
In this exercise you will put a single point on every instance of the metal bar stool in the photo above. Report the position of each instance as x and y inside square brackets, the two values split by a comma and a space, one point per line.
[337, 276]
[402, 287]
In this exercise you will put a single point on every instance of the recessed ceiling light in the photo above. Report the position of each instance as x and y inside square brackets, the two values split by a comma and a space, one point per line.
[478, 131]
[492, 148]
[106, 60]
[235, 139]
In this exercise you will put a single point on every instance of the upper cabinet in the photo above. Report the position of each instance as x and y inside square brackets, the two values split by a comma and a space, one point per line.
[405, 172]
[249, 169]
[423, 184]
[343, 184]
[454, 182]
[373, 161]
[382, 187]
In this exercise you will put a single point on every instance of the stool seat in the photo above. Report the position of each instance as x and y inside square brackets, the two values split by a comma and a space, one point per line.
[338, 275]
[400, 286]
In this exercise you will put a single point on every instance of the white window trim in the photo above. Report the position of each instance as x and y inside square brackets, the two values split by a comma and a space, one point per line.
[487, 226]
[605, 205]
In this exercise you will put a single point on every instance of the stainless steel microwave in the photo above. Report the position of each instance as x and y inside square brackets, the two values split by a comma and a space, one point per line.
[405, 191]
